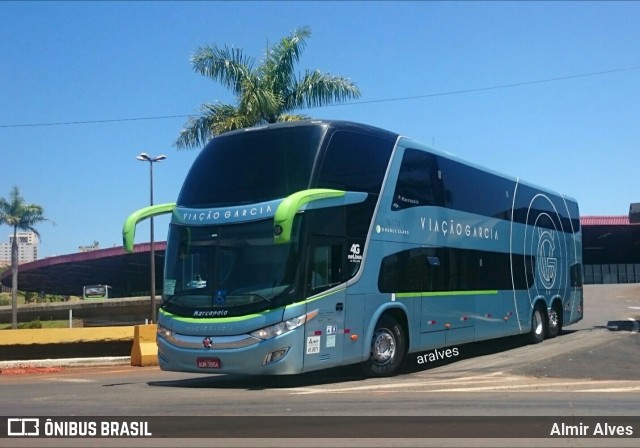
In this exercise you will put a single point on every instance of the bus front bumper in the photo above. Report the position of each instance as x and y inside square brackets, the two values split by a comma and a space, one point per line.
[280, 355]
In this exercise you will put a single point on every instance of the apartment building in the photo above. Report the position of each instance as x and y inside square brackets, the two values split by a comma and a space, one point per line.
[27, 248]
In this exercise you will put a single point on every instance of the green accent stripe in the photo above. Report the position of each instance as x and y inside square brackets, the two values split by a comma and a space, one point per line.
[322, 296]
[215, 320]
[446, 293]
[220, 320]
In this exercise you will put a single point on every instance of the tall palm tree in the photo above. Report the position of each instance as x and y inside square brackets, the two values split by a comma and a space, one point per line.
[268, 93]
[16, 213]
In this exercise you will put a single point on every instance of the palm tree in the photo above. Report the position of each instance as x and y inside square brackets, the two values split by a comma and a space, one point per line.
[15, 213]
[268, 93]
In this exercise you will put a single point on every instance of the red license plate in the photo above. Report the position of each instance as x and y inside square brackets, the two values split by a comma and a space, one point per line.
[209, 363]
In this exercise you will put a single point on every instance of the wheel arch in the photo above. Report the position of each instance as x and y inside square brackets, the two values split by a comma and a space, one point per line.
[557, 302]
[541, 302]
[396, 310]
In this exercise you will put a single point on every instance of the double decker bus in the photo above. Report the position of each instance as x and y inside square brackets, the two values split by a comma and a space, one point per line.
[301, 246]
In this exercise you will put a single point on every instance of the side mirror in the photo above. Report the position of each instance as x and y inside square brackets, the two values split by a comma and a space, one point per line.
[129, 228]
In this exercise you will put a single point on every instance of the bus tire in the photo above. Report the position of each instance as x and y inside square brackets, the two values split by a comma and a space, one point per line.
[554, 321]
[536, 334]
[387, 350]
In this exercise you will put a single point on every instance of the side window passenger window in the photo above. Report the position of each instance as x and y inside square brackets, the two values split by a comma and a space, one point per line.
[419, 181]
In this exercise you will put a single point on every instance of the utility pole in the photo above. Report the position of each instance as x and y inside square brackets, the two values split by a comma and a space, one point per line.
[146, 158]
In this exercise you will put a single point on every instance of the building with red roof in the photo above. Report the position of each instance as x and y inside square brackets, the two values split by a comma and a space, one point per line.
[610, 249]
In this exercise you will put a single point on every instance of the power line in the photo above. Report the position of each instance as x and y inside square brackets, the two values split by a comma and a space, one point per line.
[481, 89]
[113, 120]
[383, 100]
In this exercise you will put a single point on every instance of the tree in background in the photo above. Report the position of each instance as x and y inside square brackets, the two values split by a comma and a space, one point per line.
[16, 213]
[268, 93]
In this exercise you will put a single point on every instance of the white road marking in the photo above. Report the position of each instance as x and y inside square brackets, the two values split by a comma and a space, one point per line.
[70, 380]
[495, 382]
[401, 385]
[614, 389]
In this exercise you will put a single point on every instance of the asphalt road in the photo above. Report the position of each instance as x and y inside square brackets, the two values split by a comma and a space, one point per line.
[590, 371]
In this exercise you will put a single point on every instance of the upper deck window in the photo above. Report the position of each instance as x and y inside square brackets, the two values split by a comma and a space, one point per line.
[355, 161]
[251, 166]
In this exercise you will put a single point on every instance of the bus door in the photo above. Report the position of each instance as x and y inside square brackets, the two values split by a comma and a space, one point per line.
[324, 334]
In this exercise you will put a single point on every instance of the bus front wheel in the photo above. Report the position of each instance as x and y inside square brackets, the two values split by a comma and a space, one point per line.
[387, 348]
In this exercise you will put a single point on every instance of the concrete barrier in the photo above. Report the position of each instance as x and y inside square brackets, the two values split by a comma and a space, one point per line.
[24, 343]
[66, 335]
[144, 351]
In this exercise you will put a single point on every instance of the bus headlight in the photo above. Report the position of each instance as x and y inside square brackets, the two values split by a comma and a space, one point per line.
[269, 332]
[165, 333]
[283, 327]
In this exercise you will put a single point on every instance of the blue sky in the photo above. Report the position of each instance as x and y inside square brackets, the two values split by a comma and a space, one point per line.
[68, 62]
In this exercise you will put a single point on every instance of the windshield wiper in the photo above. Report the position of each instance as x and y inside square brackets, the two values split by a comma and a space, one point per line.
[167, 301]
[266, 299]
[173, 298]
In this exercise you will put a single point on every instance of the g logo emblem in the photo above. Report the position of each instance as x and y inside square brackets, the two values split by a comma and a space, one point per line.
[544, 240]
[547, 263]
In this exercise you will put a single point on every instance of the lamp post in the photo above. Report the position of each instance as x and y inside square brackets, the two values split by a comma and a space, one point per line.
[144, 157]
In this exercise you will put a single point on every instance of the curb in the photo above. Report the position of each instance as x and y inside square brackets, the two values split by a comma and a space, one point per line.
[67, 362]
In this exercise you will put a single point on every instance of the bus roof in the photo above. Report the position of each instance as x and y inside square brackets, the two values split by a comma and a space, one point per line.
[334, 124]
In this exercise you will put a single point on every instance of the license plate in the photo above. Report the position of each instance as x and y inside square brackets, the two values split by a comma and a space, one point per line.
[209, 363]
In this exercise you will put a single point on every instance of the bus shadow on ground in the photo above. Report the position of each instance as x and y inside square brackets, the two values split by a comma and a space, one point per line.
[415, 362]
[432, 359]
[255, 382]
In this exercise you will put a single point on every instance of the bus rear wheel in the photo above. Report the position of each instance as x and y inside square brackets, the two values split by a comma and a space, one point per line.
[536, 334]
[388, 346]
[554, 326]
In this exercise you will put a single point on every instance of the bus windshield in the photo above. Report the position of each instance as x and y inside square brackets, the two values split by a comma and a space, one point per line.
[222, 270]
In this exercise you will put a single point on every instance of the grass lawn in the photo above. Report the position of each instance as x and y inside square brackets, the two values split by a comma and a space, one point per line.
[38, 324]
[5, 300]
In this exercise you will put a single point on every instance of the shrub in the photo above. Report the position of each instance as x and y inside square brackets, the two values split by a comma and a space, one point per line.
[35, 323]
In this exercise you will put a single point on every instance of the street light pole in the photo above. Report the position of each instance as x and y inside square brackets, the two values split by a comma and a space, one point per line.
[152, 295]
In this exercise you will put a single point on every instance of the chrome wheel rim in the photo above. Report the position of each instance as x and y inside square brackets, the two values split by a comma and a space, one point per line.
[383, 347]
[553, 320]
